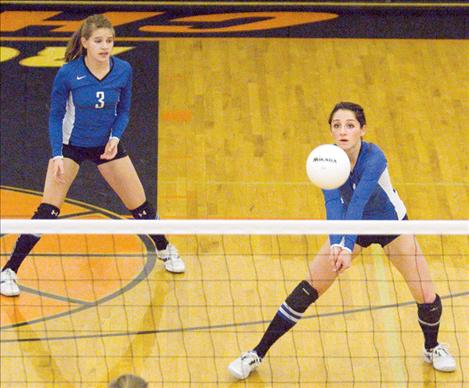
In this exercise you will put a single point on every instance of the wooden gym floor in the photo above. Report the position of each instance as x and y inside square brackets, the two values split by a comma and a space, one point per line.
[237, 119]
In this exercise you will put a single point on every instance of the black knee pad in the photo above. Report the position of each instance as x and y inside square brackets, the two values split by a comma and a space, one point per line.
[144, 212]
[430, 313]
[302, 297]
[46, 211]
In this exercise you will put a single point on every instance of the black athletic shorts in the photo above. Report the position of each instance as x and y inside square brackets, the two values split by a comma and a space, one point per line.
[383, 240]
[80, 154]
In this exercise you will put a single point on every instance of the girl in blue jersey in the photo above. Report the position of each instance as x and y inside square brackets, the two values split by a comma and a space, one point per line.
[90, 104]
[368, 195]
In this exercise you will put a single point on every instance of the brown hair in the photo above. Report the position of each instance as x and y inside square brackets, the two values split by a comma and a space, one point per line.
[91, 24]
[128, 381]
[355, 108]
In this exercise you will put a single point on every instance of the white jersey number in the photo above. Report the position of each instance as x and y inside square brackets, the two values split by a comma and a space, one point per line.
[100, 97]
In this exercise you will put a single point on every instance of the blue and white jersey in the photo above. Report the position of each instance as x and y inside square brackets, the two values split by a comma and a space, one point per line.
[86, 111]
[367, 195]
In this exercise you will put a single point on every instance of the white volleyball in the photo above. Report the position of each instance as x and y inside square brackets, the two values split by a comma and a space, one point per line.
[328, 166]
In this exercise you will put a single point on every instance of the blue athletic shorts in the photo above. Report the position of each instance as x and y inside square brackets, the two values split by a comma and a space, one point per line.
[383, 240]
[80, 154]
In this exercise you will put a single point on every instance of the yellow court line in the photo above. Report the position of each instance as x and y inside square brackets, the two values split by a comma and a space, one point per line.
[239, 3]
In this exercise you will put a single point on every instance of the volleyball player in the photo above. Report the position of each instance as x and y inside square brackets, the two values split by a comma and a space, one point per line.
[90, 104]
[367, 195]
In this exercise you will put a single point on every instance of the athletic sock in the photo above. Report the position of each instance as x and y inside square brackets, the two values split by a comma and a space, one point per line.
[26, 242]
[289, 313]
[429, 319]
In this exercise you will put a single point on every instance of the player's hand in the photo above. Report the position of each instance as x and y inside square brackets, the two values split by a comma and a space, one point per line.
[333, 256]
[344, 261]
[58, 170]
[110, 151]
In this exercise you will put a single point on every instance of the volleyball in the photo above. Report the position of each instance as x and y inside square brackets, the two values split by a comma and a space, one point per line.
[328, 166]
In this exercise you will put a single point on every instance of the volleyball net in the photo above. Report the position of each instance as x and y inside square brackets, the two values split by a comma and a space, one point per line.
[96, 303]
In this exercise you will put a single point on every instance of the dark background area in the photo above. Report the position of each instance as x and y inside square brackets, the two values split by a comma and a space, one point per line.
[377, 19]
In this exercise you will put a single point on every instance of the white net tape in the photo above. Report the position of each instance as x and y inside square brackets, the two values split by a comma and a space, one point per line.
[236, 227]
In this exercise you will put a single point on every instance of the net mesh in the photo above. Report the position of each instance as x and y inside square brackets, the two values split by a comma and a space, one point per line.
[94, 306]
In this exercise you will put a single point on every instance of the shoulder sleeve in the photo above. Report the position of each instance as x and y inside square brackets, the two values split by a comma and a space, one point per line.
[374, 166]
[59, 96]
[335, 210]
[123, 107]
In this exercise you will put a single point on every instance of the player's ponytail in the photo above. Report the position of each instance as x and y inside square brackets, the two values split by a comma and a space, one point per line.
[74, 47]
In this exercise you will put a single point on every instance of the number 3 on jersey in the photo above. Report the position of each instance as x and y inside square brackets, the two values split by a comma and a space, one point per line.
[100, 97]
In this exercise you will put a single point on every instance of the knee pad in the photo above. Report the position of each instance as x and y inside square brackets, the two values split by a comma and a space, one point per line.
[46, 211]
[430, 313]
[302, 297]
[144, 212]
